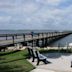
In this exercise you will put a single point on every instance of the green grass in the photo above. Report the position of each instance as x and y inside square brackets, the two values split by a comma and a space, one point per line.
[55, 51]
[15, 61]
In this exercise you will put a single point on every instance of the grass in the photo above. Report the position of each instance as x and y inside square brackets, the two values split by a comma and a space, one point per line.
[55, 50]
[15, 61]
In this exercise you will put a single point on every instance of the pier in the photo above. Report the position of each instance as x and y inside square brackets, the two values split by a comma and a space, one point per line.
[35, 39]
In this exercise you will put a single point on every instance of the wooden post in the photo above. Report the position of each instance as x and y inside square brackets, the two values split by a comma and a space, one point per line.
[42, 40]
[46, 35]
[37, 41]
[38, 35]
[16, 36]
[24, 36]
[42, 35]
[45, 42]
[32, 43]
[6, 36]
[13, 39]
[32, 39]
[58, 47]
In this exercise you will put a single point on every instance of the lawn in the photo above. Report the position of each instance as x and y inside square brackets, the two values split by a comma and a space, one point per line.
[15, 61]
[55, 50]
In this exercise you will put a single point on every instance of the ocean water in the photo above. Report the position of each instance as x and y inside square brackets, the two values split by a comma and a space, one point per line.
[20, 32]
[66, 41]
[13, 31]
[24, 31]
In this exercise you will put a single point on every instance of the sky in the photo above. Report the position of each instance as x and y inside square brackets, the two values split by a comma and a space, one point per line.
[36, 14]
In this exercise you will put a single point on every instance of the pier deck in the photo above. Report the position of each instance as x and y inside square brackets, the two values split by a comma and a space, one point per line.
[19, 38]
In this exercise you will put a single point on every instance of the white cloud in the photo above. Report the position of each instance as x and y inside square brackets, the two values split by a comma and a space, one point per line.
[5, 18]
[30, 8]
[45, 13]
[49, 2]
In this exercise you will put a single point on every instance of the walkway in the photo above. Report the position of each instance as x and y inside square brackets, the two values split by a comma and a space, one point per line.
[59, 63]
[41, 70]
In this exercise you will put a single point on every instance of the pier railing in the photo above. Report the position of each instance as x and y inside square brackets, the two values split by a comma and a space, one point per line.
[9, 39]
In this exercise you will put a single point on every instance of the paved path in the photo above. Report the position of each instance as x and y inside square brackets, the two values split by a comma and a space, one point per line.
[59, 63]
[41, 70]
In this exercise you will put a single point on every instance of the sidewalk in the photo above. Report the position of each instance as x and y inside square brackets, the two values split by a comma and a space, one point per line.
[41, 70]
[59, 64]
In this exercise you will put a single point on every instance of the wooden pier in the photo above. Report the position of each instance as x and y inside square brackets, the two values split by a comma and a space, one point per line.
[36, 39]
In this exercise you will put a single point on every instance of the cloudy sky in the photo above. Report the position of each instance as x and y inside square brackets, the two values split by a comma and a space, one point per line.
[36, 14]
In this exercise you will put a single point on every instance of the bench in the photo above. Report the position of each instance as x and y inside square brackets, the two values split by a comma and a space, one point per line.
[36, 55]
[33, 55]
[41, 57]
[29, 52]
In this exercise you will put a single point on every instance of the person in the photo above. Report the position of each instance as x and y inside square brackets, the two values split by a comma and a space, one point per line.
[32, 33]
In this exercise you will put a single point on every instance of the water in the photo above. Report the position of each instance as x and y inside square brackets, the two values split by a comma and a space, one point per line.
[13, 31]
[20, 32]
[23, 31]
[63, 42]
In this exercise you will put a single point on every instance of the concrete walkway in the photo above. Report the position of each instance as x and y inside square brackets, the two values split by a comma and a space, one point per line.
[59, 63]
[41, 70]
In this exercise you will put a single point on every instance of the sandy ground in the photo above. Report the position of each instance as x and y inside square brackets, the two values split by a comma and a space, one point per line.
[13, 48]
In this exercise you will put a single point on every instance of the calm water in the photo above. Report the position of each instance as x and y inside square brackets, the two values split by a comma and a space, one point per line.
[23, 31]
[63, 42]
[20, 31]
